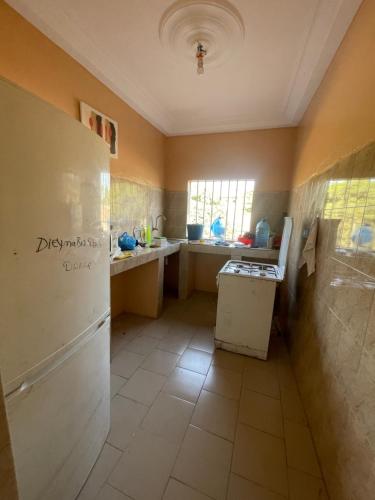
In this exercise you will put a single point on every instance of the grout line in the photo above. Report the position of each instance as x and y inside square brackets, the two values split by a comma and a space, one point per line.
[189, 486]
[122, 493]
[186, 430]
[262, 394]
[283, 425]
[262, 486]
[96, 461]
[307, 424]
[262, 431]
[135, 401]
[307, 473]
[114, 446]
[212, 433]
[235, 434]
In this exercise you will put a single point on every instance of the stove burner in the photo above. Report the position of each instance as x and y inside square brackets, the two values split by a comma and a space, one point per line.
[252, 269]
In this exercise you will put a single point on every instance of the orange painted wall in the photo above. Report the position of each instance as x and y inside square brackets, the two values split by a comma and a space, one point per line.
[341, 116]
[264, 155]
[33, 62]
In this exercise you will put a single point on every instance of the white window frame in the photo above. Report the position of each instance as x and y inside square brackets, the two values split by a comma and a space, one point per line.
[233, 199]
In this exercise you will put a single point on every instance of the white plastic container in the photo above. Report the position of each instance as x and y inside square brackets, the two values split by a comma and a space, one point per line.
[160, 241]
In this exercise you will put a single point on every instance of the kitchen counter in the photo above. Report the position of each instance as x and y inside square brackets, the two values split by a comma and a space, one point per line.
[235, 253]
[149, 254]
[143, 257]
[137, 282]
[201, 262]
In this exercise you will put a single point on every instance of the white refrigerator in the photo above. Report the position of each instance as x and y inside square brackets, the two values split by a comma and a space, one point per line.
[54, 320]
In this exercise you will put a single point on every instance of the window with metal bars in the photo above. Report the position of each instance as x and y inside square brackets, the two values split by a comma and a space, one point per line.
[230, 199]
[352, 203]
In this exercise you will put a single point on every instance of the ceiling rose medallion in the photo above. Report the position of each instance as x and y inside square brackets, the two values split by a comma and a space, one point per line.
[204, 31]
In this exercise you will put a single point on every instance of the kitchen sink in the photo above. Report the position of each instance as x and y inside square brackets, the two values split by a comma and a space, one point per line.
[176, 240]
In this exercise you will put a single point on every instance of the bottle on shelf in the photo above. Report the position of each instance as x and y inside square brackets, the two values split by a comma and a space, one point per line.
[262, 233]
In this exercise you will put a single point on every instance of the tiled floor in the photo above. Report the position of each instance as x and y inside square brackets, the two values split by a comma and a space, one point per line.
[192, 423]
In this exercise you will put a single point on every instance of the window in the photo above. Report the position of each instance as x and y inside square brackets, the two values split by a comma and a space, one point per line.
[352, 202]
[230, 199]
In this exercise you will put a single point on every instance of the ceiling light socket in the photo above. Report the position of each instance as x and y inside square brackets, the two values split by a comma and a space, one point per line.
[215, 24]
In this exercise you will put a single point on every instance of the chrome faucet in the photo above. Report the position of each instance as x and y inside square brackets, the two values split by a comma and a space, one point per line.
[156, 226]
[140, 232]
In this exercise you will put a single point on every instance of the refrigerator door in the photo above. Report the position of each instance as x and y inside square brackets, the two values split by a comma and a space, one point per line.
[59, 420]
[54, 214]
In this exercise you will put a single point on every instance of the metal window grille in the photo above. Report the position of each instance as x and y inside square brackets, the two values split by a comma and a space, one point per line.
[230, 199]
[352, 203]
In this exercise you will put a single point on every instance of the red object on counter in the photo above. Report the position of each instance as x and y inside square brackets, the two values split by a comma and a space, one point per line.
[277, 242]
[246, 241]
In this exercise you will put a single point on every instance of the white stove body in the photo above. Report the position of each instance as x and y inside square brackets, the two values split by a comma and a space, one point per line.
[246, 300]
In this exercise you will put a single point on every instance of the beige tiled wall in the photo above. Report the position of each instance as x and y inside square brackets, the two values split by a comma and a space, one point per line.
[8, 488]
[134, 204]
[331, 322]
[176, 210]
[273, 205]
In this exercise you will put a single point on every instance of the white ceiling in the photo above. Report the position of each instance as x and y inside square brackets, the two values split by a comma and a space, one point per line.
[267, 79]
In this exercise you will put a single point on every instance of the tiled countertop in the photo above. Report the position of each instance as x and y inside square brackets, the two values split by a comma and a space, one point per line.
[235, 253]
[147, 255]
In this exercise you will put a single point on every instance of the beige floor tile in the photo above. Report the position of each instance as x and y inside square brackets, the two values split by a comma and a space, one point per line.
[242, 489]
[229, 360]
[203, 340]
[227, 383]
[300, 449]
[184, 384]
[292, 406]
[126, 416]
[203, 463]
[182, 328]
[125, 363]
[143, 386]
[260, 457]
[196, 361]
[103, 467]
[178, 491]
[190, 317]
[157, 329]
[261, 380]
[116, 383]
[129, 324]
[161, 362]
[262, 412]
[168, 417]
[286, 376]
[305, 487]
[109, 493]
[144, 468]
[142, 345]
[174, 343]
[118, 342]
[216, 414]
[267, 365]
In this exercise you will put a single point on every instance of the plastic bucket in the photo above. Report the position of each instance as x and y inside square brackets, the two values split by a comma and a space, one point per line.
[195, 231]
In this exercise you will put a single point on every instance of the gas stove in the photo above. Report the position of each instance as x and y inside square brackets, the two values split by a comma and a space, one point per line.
[252, 270]
[246, 302]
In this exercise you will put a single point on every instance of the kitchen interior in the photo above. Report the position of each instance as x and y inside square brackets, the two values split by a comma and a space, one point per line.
[188, 251]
